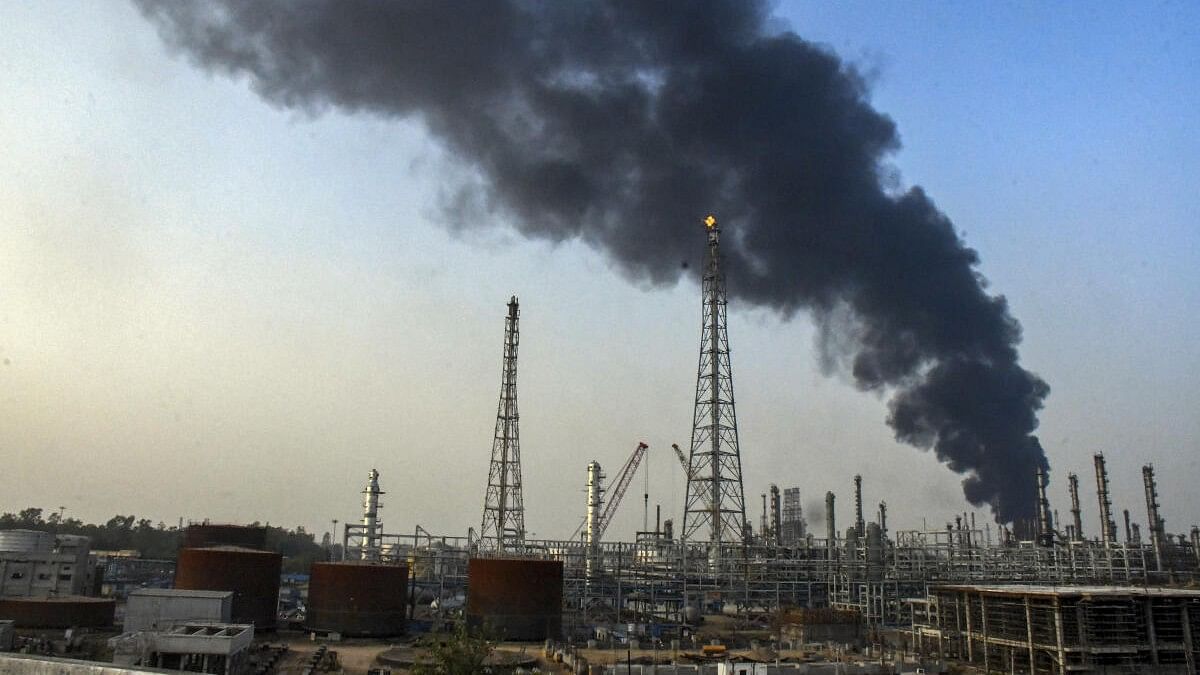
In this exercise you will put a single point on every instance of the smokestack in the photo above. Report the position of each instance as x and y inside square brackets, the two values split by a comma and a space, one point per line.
[1128, 530]
[1196, 542]
[1045, 526]
[776, 516]
[1108, 528]
[1076, 519]
[883, 520]
[1152, 518]
[612, 123]
[830, 520]
[657, 520]
[858, 507]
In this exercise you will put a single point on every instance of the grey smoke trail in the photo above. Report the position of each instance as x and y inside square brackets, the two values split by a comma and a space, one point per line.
[622, 123]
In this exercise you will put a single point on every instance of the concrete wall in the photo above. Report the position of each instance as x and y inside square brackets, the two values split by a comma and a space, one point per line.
[163, 608]
[23, 664]
[43, 574]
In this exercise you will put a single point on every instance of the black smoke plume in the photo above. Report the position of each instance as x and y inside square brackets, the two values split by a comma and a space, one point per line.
[623, 123]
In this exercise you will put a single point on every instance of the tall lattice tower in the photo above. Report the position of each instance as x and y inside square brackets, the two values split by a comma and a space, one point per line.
[503, 527]
[714, 490]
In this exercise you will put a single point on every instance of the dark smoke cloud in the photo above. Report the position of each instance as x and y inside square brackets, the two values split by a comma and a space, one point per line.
[622, 123]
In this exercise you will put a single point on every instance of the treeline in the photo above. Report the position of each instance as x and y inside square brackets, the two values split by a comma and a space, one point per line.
[157, 540]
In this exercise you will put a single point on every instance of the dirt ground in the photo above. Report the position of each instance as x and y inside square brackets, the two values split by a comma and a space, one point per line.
[355, 657]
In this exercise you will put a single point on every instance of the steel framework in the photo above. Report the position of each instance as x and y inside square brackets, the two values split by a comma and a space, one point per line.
[503, 526]
[715, 499]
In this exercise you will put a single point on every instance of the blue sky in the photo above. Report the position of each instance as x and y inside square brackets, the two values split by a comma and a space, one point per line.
[216, 308]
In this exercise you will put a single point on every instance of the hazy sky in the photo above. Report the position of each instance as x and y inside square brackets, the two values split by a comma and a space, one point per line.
[210, 307]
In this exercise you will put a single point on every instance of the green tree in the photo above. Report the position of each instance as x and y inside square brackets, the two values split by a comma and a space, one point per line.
[30, 517]
[462, 652]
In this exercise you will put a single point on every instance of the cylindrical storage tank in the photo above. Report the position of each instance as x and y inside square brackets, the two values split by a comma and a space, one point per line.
[520, 599]
[357, 598]
[252, 576]
[245, 536]
[61, 612]
[26, 541]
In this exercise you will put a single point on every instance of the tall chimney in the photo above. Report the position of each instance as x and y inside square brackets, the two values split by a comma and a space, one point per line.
[1045, 525]
[859, 526]
[1196, 542]
[1108, 528]
[1128, 530]
[883, 520]
[1152, 517]
[1076, 519]
[830, 520]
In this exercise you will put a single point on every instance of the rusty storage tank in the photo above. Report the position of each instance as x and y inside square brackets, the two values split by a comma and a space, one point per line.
[520, 599]
[204, 534]
[252, 576]
[61, 612]
[357, 598]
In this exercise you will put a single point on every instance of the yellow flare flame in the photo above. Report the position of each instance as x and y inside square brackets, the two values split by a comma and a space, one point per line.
[710, 222]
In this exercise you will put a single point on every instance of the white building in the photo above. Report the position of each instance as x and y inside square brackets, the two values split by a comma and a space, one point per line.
[161, 608]
[41, 565]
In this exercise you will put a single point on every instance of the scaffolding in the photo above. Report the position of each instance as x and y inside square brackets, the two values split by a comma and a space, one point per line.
[1081, 629]
[656, 579]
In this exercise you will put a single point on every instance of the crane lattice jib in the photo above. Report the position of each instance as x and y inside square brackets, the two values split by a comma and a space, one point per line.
[683, 460]
[623, 481]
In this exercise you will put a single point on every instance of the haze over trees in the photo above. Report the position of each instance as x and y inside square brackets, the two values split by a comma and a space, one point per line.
[158, 540]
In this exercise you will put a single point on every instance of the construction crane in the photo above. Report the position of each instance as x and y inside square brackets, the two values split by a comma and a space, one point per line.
[624, 478]
[683, 460]
[618, 492]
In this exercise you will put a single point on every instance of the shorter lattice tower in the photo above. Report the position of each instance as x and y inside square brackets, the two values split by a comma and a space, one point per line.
[503, 527]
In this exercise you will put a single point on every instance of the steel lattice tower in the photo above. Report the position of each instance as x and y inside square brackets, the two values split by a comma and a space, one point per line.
[714, 490]
[503, 527]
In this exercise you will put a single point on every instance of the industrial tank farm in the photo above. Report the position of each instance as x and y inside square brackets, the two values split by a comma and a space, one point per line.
[357, 598]
[252, 576]
[519, 599]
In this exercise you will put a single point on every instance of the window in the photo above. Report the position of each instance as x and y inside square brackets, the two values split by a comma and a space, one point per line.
[64, 577]
[18, 575]
[43, 576]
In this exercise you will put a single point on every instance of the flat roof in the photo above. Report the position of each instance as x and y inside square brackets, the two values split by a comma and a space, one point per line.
[1109, 591]
[179, 593]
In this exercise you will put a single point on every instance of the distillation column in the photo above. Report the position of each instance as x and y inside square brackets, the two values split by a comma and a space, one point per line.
[372, 525]
[1155, 521]
[1045, 526]
[1108, 527]
[776, 516]
[859, 526]
[1076, 517]
[830, 521]
[595, 492]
